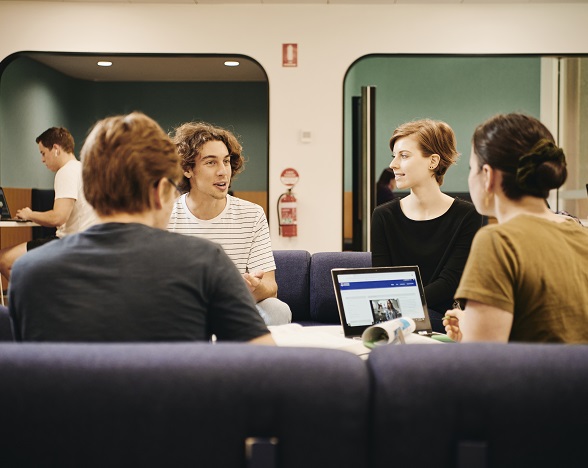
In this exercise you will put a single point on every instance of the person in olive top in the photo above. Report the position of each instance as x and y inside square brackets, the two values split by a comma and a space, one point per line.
[427, 227]
[526, 277]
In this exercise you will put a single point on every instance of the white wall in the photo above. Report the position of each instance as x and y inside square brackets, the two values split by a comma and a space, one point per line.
[330, 38]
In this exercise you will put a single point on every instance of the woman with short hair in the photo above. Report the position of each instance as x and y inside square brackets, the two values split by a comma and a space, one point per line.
[427, 227]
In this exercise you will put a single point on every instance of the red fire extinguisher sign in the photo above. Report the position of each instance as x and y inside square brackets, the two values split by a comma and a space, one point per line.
[287, 204]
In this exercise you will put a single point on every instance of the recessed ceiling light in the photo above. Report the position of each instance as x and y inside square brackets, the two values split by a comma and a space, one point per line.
[104, 64]
[231, 63]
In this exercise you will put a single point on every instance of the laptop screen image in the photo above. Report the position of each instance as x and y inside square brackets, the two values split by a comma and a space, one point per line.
[367, 296]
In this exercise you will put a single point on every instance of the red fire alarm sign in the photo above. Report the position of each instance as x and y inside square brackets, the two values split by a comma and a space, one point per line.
[289, 55]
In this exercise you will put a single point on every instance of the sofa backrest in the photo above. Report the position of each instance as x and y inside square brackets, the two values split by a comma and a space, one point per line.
[154, 405]
[323, 305]
[293, 279]
[479, 405]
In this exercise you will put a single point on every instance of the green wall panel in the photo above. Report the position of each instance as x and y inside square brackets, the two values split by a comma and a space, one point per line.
[462, 91]
[34, 97]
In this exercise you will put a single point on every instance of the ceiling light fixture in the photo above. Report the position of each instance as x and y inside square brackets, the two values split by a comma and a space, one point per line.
[231, 63]
[104, 64]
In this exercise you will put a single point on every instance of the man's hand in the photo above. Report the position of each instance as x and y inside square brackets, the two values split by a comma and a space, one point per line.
[253, 279]
[261, 284]
[25, 213]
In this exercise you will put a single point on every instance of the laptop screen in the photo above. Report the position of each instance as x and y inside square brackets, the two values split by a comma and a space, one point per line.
[367, 296]
[4, 211]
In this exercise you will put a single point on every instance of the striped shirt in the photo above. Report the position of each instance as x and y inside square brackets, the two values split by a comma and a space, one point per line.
[241, 229]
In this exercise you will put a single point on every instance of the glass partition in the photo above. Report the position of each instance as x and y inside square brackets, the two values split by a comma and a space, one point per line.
[40, 90]
[464, 91]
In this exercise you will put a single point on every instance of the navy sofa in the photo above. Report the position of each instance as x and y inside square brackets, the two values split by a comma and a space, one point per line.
[153, 405]
[305, 284]
[180, 405]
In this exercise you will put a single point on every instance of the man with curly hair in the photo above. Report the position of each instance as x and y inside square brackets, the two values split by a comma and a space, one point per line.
[211, 157]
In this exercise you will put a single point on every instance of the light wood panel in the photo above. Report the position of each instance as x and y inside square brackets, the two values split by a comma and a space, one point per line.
[260, 198]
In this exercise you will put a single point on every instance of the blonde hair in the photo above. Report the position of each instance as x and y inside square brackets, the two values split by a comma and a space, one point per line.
[123, 158]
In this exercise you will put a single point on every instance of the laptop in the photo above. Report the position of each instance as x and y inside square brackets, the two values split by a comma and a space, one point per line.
[5, 211]
[367, 296]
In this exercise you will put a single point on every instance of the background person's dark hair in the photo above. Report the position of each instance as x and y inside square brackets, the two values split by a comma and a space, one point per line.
[524, 150]
[386, 176]
[57, 136]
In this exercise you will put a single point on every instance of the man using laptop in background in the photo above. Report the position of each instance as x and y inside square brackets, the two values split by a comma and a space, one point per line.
[126, 279]
[211, 156]
[71, 213]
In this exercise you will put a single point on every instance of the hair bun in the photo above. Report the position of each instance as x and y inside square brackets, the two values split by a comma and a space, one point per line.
[541, 169]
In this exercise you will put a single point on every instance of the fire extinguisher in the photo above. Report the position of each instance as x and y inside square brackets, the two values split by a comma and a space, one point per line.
[287, 205]
[287, 214]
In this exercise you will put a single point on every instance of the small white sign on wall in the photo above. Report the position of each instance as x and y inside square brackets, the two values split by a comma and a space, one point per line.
[289, 55]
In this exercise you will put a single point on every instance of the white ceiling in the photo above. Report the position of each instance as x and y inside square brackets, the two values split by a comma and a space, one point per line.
[320, 2]
[152, 67]
[200, 68]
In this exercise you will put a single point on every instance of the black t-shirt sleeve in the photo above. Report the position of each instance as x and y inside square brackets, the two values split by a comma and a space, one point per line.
[441, 290]
[232, 312]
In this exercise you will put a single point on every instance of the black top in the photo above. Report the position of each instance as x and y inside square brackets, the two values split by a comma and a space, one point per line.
[439, 246]
[130, 282]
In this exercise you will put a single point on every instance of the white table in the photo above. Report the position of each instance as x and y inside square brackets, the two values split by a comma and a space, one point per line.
[9, 224]
[329, 336]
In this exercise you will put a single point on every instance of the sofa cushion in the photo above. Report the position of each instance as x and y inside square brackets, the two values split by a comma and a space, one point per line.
[154, 405]
[477, 405]
[323, 305]
[293, 279]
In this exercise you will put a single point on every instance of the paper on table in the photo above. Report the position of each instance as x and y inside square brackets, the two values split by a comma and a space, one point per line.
[294, 334]
[328, 336]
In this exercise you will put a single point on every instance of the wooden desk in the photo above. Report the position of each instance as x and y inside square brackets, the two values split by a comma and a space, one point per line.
[18, 224]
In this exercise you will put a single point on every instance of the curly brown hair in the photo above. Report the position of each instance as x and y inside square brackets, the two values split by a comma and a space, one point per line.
[189, 139]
